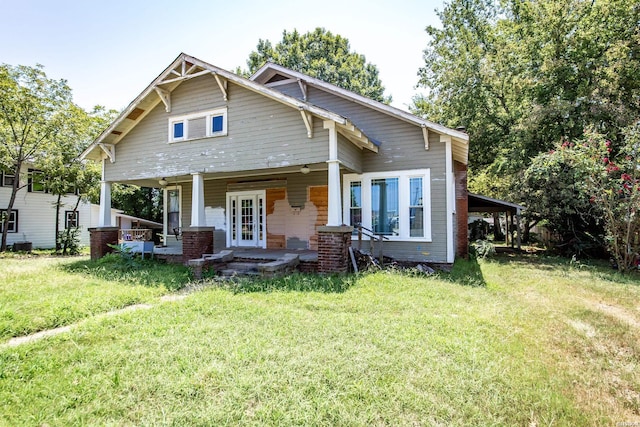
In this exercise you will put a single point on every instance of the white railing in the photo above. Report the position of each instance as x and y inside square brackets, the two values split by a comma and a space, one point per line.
[135, 234]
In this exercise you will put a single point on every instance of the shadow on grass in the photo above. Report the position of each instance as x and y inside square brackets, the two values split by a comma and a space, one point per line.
[467, 272]
[296, 282]
[133, 271]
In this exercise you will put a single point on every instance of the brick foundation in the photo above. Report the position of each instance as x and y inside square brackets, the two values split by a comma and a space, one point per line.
[462, 210]
[100, 238]
[333, 249]
[195, 242]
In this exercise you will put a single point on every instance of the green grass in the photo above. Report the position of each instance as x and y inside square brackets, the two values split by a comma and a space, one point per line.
[515, 341]
[40, 292]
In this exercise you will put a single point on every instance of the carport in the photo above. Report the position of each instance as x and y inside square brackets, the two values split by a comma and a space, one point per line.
[484, 204]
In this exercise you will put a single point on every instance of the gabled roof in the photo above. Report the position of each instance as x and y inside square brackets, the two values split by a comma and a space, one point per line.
[271, 72]
[186, 67]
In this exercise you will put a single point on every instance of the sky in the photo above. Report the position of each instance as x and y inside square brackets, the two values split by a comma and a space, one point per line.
[110, 51]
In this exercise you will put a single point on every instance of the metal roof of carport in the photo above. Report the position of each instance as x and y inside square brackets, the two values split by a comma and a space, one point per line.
[478, 203]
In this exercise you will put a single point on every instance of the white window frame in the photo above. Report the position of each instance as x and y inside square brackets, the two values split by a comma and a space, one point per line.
[4, 177]
[71, 216]
[31, 180]
[210, 116]
[185, 130]
[14, 222]
[207, 115]
[403, 202]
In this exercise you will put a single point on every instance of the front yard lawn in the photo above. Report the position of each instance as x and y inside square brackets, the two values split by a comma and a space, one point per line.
[38, 293]
[532, 342]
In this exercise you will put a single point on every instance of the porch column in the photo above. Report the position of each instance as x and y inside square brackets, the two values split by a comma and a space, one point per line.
[198, 218]
[197, 239]
[104, 218]
[104, 234]
[334, 214]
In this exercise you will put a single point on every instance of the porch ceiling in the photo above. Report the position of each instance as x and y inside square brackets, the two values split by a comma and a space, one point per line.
[267, 173]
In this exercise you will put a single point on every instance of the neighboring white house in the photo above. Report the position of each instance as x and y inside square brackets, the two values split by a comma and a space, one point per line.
[33, 216]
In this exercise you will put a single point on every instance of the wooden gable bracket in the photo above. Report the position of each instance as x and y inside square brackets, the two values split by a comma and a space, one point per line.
[354, 135]
[425, 135]
[109, 150]
[222, 83]
[303, 88]
[307, 118]
[165, 96]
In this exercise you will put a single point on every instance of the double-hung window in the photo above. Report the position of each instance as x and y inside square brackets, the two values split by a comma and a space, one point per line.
[203, 124]
[35, 182]
[6, 180]
[71, 219]
[392, 204]
[12, 223]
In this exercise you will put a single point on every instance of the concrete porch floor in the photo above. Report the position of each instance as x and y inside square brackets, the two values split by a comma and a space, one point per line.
[306, 255]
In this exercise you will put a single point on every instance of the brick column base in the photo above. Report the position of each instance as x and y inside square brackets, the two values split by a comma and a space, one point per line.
[333, 249]
[195, 242]
[100, 238]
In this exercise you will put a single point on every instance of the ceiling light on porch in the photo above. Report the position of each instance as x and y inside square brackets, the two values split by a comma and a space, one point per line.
[305, 170]
[162, 182]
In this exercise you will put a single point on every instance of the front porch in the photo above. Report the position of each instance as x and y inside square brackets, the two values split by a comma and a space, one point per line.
[253, 254]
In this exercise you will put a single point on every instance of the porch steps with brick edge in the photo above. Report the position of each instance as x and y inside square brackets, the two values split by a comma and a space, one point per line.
[228, 265]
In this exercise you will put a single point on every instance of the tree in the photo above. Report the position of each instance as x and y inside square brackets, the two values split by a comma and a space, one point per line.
[322, 55]
[521, 75]
[66, 173]
[594, 180]
[32, 114]
[143, 202]
[554, 186]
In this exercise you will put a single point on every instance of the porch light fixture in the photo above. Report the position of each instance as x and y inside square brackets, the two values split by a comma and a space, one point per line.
[162, 182]
[305, 170]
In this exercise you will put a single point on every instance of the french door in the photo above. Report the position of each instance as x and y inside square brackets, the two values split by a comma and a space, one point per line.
[246, 218]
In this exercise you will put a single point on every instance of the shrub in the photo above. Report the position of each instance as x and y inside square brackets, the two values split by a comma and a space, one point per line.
[483, 249]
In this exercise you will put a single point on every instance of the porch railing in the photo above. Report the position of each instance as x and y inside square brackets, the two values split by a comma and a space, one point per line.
[373, 236]
[135, 234]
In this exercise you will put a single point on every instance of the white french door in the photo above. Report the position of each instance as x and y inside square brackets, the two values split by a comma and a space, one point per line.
[246, 218]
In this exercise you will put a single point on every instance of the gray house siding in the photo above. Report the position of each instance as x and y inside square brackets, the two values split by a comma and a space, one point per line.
[401, 148]
[349, 154]
[262, 133]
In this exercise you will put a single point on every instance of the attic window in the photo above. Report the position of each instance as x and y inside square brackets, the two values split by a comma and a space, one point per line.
[199, 125]
[178, 130]
[135, 113]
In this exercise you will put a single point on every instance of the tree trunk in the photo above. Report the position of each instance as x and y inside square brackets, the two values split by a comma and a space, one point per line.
[58, 222]
[497, 230]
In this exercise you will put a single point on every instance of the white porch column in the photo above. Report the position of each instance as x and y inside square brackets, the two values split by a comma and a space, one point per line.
[334, 217]
[198, 218]
[104, 218]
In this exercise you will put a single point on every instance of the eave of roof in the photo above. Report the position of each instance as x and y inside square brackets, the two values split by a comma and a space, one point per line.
[488, 202]
[93, 151]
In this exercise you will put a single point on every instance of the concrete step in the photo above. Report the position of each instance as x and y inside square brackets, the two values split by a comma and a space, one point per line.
[242, 266]
[242, 273]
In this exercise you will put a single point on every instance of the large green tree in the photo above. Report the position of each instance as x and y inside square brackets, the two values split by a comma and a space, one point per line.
[33, 109]
[323, 55]
[522, 75]
[66, 173]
